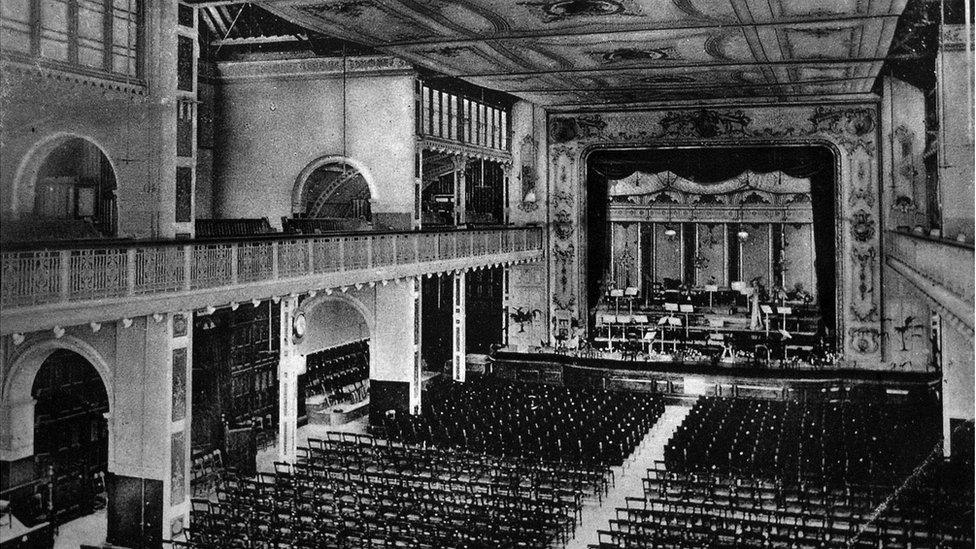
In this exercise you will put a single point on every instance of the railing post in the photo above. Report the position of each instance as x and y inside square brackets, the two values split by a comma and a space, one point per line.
[130, 271]
[187, 267]
[369, 251]
[64, 274]
[274, 260]
[234, 250]
[310, 244]
[342, 254]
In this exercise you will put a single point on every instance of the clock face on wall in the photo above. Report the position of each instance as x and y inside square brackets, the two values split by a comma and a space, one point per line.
[299, 326]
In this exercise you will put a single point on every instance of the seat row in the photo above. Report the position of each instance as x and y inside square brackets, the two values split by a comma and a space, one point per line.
[356, 491]
[587, 426]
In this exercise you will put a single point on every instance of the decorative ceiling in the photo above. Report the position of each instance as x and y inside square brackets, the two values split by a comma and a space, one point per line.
[572, 52]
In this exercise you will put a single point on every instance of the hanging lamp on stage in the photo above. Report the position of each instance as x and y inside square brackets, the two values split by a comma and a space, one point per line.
[743, 233]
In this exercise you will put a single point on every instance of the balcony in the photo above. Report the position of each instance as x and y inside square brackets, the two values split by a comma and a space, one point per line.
[68, 284]
[940, 269]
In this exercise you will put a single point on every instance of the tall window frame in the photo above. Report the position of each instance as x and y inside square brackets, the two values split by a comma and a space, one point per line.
[99, 37]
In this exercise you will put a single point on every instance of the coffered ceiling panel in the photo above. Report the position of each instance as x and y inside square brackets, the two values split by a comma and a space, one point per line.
[608, 51]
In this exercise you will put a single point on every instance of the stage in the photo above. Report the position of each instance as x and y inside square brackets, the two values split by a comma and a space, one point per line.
[698, 378]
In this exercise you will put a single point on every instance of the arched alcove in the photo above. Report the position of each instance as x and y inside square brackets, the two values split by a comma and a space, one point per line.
[71, 433]
[66, 190]
[56, 395]
[333, 193]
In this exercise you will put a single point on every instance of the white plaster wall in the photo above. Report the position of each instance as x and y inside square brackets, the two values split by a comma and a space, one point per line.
[29, 123]
[956, 141]
[270, 128]
[392, 345]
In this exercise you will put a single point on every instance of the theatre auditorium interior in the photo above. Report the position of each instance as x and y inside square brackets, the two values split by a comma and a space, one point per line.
[483, 274]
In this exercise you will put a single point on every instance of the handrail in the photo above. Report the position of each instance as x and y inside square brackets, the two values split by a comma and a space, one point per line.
[124, 269]
[126, 242]
[940, 269]
[933, 239]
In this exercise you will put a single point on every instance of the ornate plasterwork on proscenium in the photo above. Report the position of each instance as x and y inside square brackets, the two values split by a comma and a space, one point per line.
[849, 130]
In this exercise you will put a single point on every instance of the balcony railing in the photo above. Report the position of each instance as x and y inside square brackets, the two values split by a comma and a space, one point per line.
[942, 269]
[77, 273]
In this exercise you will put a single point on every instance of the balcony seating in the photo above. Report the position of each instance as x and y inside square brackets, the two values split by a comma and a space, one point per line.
[322, 225]
[356, 491]
[231, 228]
[585, 426]
[747, 473]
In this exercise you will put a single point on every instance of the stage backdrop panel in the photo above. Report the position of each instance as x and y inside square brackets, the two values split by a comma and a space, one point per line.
[625, 263]
[755, 254]
[798, 257]
[667, 254]
[711, 254]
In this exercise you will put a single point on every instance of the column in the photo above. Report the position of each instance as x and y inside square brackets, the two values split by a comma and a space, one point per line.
[17, 429]
[458, 356]
[418, 368]
[291, 364]
[149, 452]
[393, 357]
[460, 190]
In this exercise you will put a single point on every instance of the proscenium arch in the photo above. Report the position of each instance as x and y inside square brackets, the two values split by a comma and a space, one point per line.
[23, 371]
[25, 177]
[840, 208]
[302, 180]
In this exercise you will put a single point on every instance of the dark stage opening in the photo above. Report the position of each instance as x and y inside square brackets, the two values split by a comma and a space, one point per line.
[710, 226]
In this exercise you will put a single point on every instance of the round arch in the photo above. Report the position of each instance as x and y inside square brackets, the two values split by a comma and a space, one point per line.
[309, 307]
[23, 371]
[25, 177]
[302, 180]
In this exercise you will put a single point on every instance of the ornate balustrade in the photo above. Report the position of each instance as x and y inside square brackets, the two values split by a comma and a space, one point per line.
[940, 269]
[60, 286]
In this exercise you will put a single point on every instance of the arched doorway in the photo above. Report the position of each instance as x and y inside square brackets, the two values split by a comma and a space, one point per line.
[336, 348]
[73, 194]
[70, 435]
[331, 195]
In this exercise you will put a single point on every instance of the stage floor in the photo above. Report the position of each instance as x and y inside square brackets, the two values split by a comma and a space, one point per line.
[564, 367]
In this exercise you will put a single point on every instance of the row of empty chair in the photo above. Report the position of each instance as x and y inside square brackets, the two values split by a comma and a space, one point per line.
[588, 426]
[750, 473]
[682, 509]
[356, 491]
[793, 440]
[337, 374]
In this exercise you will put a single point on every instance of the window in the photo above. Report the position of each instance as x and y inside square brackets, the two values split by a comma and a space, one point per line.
[184, 63]
[184, 194]
[99, 35]
[458, 118]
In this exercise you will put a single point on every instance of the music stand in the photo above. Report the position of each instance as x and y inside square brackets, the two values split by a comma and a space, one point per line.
[616, 295]
[784, 311]
[687, 310]
[648, 339]
[630, 293]
[711, 289]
